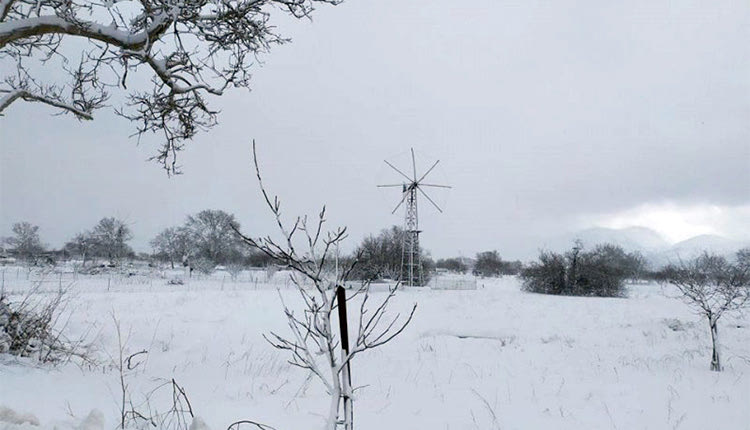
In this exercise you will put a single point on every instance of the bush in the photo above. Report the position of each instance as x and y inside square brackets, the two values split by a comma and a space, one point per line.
[203, 265]
[548, 276]
[379, 257]
[600, 272]
[27, 329]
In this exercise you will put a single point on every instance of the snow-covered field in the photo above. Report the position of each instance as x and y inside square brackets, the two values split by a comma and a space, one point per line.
[490, 358]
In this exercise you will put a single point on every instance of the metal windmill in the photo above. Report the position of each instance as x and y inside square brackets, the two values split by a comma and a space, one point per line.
[411, 263]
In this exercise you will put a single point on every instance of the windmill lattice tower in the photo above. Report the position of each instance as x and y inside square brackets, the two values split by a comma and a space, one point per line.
[411, 261]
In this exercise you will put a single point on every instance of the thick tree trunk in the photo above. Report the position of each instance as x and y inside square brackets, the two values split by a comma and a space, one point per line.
[715, 357]
[333, 412]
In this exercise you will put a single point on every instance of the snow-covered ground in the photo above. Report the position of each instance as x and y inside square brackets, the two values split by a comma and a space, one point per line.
[489, 358]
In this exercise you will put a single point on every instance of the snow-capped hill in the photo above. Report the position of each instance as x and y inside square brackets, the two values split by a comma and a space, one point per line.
[706, 242]
[693, 247]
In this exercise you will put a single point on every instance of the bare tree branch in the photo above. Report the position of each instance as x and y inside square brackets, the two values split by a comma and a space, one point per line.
[192, 49]
[27, 96]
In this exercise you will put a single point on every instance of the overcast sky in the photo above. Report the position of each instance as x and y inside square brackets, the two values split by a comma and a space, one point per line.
[547, 116]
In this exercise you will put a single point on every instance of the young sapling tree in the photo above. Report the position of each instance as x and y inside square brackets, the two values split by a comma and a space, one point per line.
[712, 286]
[313, 343]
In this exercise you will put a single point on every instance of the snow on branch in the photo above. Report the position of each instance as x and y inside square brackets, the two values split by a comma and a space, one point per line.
[192, 49]
[27, 96]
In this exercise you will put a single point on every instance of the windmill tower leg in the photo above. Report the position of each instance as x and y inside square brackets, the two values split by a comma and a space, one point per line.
[411, 262]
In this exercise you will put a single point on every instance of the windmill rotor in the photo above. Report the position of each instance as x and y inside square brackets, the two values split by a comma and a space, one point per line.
[411, 264]
[394, 168]
[430, 200]
[434, 185]
[428, 171]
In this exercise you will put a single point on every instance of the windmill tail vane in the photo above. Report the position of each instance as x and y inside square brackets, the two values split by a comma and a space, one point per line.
[411, 262]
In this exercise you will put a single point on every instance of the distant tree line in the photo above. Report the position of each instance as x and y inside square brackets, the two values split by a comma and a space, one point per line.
[206, 239]
[106, 240]
[486, 264]
[489, 264]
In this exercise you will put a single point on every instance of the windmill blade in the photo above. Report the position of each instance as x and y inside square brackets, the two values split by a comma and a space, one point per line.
[400, 203]
[431, 201]
[400, 172]
[435, 185]
[414, 164]
[390, 185]
[428, 171]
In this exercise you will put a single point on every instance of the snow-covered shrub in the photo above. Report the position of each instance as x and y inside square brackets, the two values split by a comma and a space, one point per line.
[28, 328]
[601, 272]
[234, 269]
[203, 265]
[676, 325]
[10, 419]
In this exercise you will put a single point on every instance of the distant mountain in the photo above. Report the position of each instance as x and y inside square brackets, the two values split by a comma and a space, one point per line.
[707, 242]
[631, 239]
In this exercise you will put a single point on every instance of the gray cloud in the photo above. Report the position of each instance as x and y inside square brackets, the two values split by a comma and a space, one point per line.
[541, 112]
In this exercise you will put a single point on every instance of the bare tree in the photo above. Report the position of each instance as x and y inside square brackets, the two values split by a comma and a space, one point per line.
[190, 49]
[712, 286]
[313, 344]
[212, 235]
[81, 245]
[110, 237]
[173, 243]
[25, 242]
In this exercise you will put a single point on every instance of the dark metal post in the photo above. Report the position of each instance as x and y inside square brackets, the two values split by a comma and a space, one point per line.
[347, 373]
